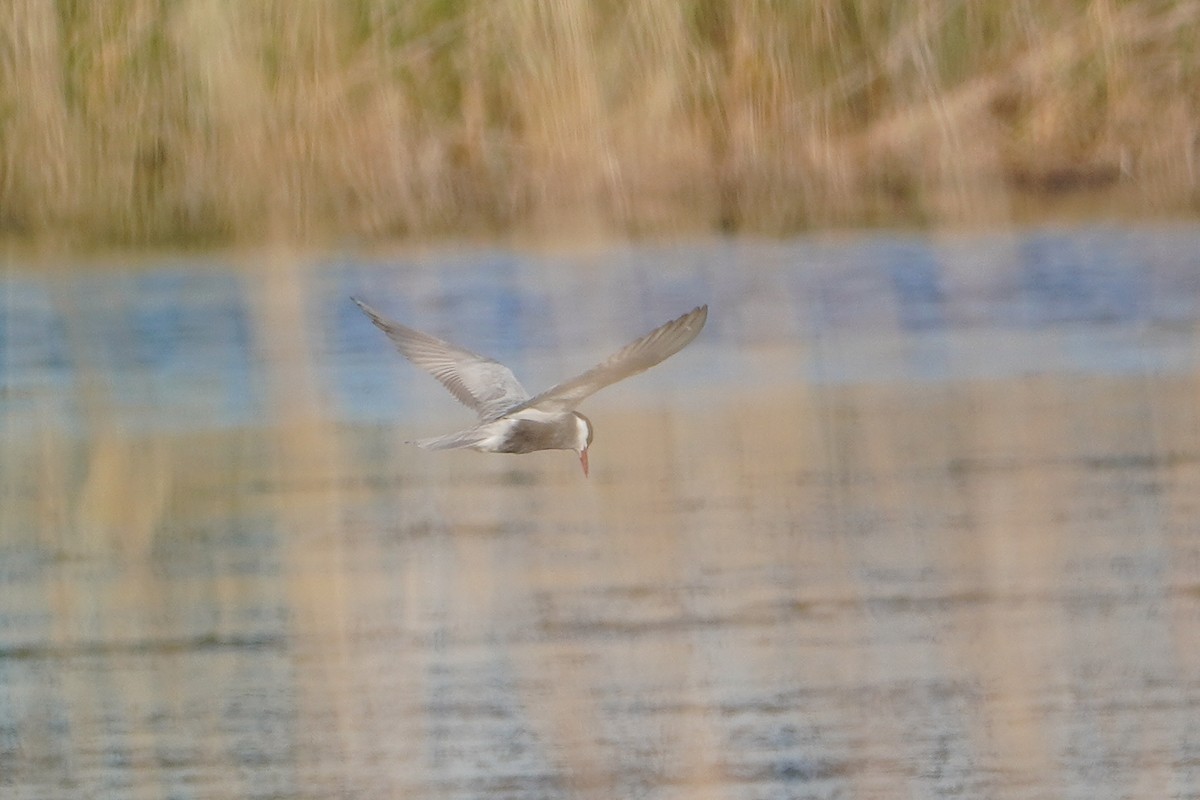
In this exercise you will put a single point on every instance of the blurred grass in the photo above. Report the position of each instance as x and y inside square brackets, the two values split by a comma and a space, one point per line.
[143, 121]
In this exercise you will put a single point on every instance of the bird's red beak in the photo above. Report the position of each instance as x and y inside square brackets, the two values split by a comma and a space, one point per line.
[583, 461]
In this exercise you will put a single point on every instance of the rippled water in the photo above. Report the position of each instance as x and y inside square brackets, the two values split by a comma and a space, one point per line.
[913, 517]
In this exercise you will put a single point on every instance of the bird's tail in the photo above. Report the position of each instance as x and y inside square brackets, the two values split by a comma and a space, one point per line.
[451, 441]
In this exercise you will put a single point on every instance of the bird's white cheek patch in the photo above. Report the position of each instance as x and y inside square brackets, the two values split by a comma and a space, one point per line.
[581, 434]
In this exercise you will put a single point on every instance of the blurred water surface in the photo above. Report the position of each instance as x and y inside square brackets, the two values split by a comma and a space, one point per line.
[914, 516]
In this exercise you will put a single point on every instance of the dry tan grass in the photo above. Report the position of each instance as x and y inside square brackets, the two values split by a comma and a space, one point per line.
[216, 120]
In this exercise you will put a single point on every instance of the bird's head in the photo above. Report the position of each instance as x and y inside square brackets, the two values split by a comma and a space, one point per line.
[583, 439]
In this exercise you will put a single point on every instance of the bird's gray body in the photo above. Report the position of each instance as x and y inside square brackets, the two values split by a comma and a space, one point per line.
[523, 432]
[512, 421]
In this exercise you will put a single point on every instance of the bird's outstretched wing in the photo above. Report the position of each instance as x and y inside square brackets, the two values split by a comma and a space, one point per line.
[635, 357]
[486, 386]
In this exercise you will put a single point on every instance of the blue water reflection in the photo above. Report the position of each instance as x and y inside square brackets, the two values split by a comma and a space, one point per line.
[178, 346]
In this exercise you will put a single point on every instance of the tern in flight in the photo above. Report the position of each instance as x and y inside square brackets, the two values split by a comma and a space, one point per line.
[512, 421]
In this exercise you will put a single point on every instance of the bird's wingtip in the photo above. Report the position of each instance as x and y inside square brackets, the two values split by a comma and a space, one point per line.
[366, 309]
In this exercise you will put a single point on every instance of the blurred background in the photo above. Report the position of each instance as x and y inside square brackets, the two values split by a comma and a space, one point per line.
[916, 515]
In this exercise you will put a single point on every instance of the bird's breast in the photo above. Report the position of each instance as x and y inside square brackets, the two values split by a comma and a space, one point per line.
[529, 435]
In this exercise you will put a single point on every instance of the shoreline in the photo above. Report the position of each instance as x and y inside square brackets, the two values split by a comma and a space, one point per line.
[1028, 211]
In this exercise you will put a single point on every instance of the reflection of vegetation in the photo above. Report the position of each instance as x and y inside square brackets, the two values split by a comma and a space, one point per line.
[211, 119]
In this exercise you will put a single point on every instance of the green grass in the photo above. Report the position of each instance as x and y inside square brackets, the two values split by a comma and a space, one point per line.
[176, 121]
